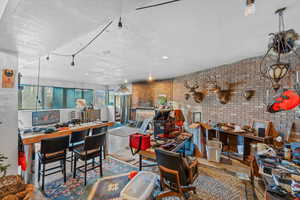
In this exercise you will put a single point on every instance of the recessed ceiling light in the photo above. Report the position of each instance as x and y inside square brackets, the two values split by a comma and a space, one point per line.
[165, 57]
[86, 74]
[150, 78]
[126, 81]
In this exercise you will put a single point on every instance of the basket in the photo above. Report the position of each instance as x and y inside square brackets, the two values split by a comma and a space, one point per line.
[11, 185]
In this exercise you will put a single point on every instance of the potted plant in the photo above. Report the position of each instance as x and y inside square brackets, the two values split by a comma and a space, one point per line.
[3, 167]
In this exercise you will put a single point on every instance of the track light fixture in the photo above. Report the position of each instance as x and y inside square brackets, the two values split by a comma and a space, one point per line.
[48, 58]
[120, 24]
[73, 60]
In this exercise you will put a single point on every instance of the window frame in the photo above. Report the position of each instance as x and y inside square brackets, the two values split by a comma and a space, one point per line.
[42, 88]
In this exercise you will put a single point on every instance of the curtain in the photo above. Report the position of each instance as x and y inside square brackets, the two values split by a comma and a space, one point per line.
[125, 104]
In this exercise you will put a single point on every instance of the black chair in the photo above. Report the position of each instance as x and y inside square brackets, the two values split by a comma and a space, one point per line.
[176, 173]
[52, 150]
[76, 140]
[101, 130]
[91, 149]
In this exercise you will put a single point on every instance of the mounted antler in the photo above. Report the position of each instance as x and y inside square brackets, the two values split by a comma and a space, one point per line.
[191, 88]
[198, 96]
[212, 85]
[225, 95]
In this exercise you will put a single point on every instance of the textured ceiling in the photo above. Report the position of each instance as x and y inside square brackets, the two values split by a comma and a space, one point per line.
[194, 34]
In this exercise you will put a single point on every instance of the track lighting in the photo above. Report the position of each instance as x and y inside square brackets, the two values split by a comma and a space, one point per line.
[120, 24]
[73, 61]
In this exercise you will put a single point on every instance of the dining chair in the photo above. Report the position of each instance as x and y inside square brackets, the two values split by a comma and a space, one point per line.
[101, 130]
[76, 140]
[52, 150]
[92, 148]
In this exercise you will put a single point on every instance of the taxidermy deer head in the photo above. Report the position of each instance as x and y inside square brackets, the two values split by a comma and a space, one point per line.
[197, 95]
[248, 94]
[224, 95]
[211, 84]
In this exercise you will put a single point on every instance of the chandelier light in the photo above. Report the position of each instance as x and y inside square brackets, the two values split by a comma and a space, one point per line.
[273, 66]
[122, 90]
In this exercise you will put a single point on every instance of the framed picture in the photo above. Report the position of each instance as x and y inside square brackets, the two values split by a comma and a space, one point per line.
[8, 78]
[196, 117]
[261, 127]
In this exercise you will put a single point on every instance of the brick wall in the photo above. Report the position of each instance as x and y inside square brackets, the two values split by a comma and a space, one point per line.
[238, 110]
[145, 94]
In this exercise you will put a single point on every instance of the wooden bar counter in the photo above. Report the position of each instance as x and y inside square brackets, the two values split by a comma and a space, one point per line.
[29, 139]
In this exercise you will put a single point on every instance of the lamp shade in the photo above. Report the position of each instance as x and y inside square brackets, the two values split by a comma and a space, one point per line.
[179, 117]
[277, 71]
[122, 90]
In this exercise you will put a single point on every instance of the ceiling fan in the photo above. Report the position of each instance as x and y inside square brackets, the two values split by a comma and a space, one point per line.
[157, 4]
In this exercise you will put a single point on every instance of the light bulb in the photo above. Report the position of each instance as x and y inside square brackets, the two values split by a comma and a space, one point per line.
[73, 61]
[150, 78]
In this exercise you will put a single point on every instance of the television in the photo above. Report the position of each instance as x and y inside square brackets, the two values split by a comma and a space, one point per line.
[41, 118]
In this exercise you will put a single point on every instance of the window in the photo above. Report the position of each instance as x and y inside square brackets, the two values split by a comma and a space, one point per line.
[58, 98]
[28, 99]
[100, 98]
[88, 96]
[111, 97]
[52, 97]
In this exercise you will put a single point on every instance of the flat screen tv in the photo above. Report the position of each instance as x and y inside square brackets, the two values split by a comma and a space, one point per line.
[41, 118]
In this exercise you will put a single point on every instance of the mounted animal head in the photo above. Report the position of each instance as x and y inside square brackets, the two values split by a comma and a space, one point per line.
[248, 94]
[224, 95]
[211, 84]
[197, 95]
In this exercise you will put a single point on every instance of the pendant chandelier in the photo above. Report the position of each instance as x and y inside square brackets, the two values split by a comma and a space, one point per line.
[122, 90]
[273, 65]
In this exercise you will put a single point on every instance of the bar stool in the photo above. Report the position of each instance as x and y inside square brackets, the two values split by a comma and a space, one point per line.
[101, 130]
[91, 149]
[76, 140]
[52, 150]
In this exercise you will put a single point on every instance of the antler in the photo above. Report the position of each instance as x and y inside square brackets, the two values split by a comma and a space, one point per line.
[186, 85]
[195, 86]
[232, 85]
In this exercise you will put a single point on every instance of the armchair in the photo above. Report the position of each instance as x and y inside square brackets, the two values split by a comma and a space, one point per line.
[176, 173]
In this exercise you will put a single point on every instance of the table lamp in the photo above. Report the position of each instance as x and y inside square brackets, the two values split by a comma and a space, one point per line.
[179, 119]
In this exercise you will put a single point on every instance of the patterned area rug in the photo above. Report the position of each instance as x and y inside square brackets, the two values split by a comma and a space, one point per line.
[212, 184]
[216, 184]
[109, 188]
[75, 189]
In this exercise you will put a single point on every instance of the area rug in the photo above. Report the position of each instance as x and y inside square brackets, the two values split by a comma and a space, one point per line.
[212, 184]
[108, 188]
[216, 184]
[75, 189]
